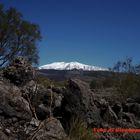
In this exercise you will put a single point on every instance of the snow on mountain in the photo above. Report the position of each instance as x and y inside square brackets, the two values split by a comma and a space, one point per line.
[71, 66]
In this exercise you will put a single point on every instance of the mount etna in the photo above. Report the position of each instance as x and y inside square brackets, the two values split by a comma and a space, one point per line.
[63, 70]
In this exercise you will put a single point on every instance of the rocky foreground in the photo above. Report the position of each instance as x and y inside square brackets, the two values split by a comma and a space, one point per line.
[30, 111]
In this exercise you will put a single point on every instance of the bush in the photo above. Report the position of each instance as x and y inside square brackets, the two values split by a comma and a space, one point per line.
[43, 80]
[103, 83]
[96, 84]
[109, 82]
[77, 130]
[126, 84]
[129, 85]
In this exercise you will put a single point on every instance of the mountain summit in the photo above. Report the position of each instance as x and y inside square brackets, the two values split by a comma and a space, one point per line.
[71, 66]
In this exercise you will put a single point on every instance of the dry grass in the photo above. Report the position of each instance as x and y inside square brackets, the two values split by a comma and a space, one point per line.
[78, 131]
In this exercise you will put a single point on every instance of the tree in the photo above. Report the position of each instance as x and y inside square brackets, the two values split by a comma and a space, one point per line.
[125, 66]
[117, 67]
[137, 69]
[18, 37]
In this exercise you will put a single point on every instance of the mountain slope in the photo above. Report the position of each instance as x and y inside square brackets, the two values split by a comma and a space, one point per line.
[71, 66]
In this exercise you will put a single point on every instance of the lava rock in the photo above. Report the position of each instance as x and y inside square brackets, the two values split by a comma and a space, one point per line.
[19, 71]
[12, 104]
[51, 130]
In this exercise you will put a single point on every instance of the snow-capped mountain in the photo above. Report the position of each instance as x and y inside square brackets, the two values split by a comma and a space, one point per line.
[71, 66]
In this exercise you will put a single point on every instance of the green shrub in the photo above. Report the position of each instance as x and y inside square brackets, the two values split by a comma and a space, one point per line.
[96, 84]
[129, 85]
[126, 84]
[77, 130]
[110, 82]
[43, 80]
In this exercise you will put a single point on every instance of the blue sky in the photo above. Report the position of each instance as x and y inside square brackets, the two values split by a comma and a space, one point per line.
[96, 32]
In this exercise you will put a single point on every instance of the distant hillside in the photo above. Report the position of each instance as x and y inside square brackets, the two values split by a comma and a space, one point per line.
[66, 74]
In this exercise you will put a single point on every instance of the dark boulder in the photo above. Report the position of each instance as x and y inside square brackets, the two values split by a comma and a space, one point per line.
[110, 116]
[12, 104]
[78, 101]
[132, 108]
[51, 129]
[3, 136]
[117, 108]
